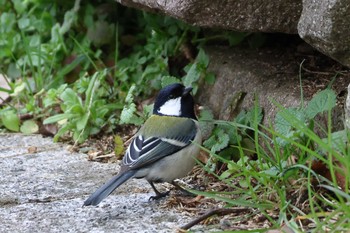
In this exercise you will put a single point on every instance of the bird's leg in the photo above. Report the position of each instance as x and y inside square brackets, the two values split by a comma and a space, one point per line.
[158, 194]
[182, 190]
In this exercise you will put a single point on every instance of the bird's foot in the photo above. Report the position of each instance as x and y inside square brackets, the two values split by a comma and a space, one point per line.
[159, 195]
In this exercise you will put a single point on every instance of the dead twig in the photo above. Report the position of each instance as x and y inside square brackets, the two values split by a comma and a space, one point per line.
[219, 212]
[341, 72]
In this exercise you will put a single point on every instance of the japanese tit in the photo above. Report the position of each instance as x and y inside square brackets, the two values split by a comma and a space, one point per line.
[164, 148]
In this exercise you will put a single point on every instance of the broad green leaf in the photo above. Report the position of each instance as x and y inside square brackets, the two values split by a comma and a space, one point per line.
[81, 136]
[226, 174]
[136, 120]
[339, 139]
[127, 113]
[285, 124]
[62, 131]
[273, 171]
[129, 97]
[128, 116]
[69, 18]
[151, 70]
[218, 141]
[29, 127]
[192, 76]
[167, 80]
[75, 109]
[142, 60]
[93, 85]
[243, 183]
[10, 120]
[202, 58]
[206, 114]
[20, 6]
[324, 101]
[251, 115]
[13, 71]
[58, 117]
[18, 89]
[282, 123]
[95, 130]
[35, 41]
[82, 122]
[55, 34]
[70, 97]
[147, 110]
[23, 23]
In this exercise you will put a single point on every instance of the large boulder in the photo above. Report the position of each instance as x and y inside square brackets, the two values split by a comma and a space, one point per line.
[240, 15]
[347, 110]
[271, 74]
[326, 26]
[242, 75]
[323, 24]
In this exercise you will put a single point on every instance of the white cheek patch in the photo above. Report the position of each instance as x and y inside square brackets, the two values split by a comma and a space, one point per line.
[172, 107]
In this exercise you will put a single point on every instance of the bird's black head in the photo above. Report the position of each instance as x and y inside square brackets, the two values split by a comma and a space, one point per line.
[175, 100]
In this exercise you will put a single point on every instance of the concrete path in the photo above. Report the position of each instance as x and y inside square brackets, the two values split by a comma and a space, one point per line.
[43, 191]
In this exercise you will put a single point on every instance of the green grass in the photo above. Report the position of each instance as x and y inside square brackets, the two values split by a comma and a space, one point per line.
[53, 62]
[276, 172]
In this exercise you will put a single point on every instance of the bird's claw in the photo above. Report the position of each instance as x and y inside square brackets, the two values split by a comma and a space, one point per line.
[159, 196]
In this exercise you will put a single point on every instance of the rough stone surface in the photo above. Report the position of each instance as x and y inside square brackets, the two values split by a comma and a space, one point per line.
[347, 110]
[323, 24]
[241, 72]
[44, 192]
[241, 15]
[326, 26]
[271, 74]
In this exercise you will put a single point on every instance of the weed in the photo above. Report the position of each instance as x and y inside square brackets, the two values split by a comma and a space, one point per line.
[53, 67]
[87, 116]
[288, 170]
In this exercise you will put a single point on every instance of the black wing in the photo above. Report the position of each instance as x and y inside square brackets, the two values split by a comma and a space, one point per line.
[144, 149]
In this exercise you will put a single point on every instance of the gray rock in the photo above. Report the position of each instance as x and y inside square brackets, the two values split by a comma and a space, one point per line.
[347, 110]
[326, 26]
[251, 15]
[44, 192]
[271, 74]
[323, 24]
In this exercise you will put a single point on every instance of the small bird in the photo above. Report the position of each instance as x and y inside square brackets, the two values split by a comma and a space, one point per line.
[162, 150]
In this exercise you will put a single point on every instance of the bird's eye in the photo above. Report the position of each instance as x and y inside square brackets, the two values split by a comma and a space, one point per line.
[171, 96]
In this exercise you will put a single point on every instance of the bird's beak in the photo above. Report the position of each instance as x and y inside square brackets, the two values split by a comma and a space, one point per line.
[186, 91]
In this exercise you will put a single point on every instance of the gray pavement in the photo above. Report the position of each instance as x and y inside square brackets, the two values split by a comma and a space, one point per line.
[44, 192]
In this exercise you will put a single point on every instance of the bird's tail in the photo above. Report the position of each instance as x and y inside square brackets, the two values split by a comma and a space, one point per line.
[108, 188]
